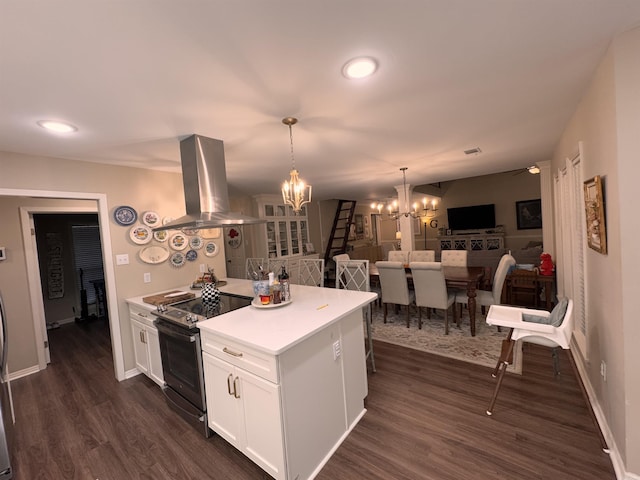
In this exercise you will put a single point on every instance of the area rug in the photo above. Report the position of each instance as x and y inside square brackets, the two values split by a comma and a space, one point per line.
[483, 349]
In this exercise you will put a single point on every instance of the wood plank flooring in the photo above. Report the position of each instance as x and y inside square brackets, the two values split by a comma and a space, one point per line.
[425, 420]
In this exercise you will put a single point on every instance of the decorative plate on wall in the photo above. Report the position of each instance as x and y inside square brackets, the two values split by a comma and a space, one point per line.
[210, 232]
[140, 234]
[154, 254]
[177, 259]
[161, 236]
[191, 255]
[125, 215]
[178, 241]
[166, 220]
[151, 219]
[196, 242]
[211, 249]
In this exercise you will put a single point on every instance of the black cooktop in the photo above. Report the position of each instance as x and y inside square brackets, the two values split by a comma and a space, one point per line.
[188, 313]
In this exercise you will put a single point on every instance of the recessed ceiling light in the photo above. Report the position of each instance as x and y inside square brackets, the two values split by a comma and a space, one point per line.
[58, 127]
[360, 67]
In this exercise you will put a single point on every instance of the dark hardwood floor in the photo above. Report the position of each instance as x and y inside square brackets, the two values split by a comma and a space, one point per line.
[425, 420]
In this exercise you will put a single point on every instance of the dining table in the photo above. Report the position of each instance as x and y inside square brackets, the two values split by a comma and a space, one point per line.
[465, 278]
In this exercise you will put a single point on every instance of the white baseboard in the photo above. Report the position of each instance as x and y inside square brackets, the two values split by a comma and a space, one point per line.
[614, 453]
[131, 373]
[24, 372]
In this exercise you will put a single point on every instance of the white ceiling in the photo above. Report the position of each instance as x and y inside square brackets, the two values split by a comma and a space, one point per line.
[137, 76]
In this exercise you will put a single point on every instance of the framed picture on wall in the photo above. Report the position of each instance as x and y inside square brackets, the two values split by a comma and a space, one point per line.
[529, 214]
[359, 221]
[594, 211]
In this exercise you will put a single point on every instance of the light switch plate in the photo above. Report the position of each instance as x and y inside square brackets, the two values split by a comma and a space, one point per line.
[147, 278]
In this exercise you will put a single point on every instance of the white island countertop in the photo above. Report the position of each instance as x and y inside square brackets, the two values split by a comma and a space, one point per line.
[274, 330]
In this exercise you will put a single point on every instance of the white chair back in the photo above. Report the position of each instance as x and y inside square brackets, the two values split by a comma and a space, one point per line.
[393, 282]
[453, 258]
[422, 256]
[311, 272]
[275, 265]
[341, 257]
[399, 256]
[353, 275]
[506, 262]
[254, 265]
[429, 284]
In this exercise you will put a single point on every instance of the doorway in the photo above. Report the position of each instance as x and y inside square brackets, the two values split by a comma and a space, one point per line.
[71, 269]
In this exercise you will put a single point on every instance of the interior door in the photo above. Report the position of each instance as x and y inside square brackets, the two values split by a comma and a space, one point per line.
[234, 250]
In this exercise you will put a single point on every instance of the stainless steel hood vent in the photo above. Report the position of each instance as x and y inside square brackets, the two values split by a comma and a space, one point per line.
[205, 187]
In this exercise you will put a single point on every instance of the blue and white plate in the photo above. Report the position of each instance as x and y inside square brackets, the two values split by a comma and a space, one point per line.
[125, 215]
[191, 255]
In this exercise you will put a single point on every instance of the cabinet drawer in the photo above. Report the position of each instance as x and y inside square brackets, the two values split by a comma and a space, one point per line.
[258, 363]
[142, 315]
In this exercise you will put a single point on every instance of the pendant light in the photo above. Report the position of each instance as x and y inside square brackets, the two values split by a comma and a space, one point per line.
[294, 191]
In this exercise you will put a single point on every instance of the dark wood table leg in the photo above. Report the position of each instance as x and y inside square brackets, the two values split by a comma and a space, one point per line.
[471, 294]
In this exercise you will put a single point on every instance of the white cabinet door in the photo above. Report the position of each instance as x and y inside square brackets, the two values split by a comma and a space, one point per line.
[155, 360]
[244, 409]
[261, 416]
[222, 406]
[140, 346]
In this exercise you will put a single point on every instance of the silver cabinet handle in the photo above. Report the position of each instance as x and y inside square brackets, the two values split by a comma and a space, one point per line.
[229, 384]
[235, 388]
[231, 352]
[143, 315]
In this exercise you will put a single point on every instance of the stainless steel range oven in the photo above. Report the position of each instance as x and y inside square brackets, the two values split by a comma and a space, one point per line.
[181, 353]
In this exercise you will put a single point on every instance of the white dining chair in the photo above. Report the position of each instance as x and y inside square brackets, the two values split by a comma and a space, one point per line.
[394, 287]
[399, 256]
[422, 256]
[486, 298]
[354, 275]
[311, 272]
[453, 258]
[430, 290]
[254, 265]
[275, 265]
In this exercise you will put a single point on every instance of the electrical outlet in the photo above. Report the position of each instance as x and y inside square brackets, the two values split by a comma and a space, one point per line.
[122, 259]
[603, 370]
[337, 349]
[203, 268]
[147, 278]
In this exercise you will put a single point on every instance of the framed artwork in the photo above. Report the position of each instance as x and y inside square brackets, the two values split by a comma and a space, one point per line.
[594, 211]
[359, 220]
[529, 214]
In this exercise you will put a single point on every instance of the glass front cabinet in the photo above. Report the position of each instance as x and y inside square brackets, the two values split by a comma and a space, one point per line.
[287, 234]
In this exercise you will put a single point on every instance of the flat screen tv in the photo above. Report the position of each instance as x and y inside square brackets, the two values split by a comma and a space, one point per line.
[472, 218]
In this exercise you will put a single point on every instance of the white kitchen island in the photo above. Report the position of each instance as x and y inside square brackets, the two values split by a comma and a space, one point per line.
[286, 385]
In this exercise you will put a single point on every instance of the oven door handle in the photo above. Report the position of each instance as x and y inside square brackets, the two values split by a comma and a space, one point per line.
[177, 335]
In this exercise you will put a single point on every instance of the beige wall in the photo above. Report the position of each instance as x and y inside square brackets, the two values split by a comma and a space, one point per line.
[606, 121]
[501, 189]
[141, 189]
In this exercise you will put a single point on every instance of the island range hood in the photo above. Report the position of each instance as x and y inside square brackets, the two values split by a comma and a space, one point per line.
[205, 187]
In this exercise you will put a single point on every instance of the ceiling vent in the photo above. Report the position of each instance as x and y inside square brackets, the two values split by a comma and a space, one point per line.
[473, 151]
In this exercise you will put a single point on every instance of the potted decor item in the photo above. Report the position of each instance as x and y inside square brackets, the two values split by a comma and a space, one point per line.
[546, 264]
[210, 292]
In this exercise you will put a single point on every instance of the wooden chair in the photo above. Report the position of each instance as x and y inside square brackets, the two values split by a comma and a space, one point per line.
[354, 275]
[394, 286]
[431, 290]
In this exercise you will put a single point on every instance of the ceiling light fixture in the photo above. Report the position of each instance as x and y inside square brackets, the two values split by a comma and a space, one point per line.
[360, 67]
[533, 169]
[57, 126]
[393, 209]
[294, 191]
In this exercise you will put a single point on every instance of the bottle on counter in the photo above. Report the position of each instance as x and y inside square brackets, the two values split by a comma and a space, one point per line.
[284, 285]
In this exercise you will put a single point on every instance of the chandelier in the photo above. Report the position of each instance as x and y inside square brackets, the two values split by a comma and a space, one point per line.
[294, 191]
[393, 209]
